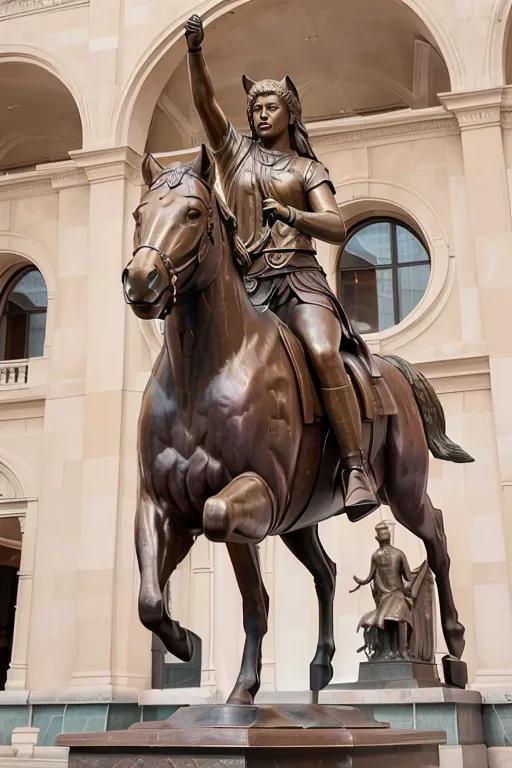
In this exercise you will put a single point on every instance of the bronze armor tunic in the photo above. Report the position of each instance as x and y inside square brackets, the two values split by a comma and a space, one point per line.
[284, 270]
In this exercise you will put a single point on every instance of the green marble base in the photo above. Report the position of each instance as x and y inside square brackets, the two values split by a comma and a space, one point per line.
[54, 719]
[458, 712]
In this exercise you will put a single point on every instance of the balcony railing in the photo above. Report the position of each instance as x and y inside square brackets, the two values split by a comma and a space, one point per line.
[13, 373]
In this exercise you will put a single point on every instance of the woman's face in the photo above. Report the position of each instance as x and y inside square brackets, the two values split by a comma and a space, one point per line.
[270, 116]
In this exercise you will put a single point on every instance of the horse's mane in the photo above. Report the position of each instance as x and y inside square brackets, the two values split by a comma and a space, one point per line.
[173, 175]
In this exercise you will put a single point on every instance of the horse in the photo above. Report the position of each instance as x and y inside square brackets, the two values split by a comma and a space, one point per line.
[232, 440]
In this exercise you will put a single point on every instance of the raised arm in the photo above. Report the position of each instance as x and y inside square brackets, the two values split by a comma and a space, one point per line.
[212, 117]
[364, 582]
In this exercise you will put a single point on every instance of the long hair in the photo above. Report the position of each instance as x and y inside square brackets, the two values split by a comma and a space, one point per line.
[286, 91]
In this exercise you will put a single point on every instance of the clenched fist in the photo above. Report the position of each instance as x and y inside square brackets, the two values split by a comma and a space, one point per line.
[194, 33]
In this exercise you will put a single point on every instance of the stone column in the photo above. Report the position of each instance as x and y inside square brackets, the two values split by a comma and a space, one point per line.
[52, 635]
[113, 194]
[479, 117]
[17, 673]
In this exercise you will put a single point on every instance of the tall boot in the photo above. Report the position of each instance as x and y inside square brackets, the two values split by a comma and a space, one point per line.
[343, 412]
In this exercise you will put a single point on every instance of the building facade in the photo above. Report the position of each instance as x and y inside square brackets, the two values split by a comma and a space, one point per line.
[408, 104]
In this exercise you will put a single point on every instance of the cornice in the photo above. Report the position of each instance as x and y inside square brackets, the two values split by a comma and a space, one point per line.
[84, 168]
[475, 109]
[10, 8]
[395, 125]
[462, 374]
[109, 164]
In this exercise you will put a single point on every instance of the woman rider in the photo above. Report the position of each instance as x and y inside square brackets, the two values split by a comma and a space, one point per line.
[282, 197]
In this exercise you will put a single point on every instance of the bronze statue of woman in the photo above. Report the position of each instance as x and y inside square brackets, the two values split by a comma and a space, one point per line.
[282, 198]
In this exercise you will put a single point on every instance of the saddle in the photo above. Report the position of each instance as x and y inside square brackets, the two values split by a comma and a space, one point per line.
[375, 401]
[375, 398]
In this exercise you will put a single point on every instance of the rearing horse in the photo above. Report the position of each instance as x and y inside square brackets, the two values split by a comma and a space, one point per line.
[231, 440]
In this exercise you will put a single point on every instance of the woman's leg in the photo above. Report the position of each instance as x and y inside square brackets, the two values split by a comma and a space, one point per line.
[320, 332]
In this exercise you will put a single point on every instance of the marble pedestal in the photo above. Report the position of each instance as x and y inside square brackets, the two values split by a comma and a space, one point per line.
[457, 712]
[224, 736]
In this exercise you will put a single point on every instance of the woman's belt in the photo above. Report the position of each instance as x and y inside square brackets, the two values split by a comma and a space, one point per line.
[279, 259]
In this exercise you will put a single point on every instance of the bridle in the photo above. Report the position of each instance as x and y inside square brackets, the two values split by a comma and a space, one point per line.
[173, 178]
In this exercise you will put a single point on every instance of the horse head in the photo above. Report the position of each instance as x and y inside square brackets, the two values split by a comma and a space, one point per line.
[173, 233]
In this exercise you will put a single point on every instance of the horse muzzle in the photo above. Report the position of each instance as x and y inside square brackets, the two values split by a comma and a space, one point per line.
[146, 302]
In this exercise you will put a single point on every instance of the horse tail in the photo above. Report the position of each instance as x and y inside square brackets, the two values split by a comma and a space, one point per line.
[432, 414]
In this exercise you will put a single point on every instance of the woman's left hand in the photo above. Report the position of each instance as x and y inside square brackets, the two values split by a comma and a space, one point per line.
[272, 211]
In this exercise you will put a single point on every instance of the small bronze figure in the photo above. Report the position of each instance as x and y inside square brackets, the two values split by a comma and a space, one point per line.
[401, 624]
[282, 198]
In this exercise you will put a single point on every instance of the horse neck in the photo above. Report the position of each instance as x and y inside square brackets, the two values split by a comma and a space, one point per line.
[207, 327]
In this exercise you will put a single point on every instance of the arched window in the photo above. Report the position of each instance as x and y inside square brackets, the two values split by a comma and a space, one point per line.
[23, 322]
[384, 271]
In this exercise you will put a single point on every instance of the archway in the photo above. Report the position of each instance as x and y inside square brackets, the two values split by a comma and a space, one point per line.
[359, 58]
[41, 121]
[23, 311]
[10, 560]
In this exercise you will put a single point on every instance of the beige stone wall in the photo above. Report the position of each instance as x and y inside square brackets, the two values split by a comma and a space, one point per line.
[69, 434]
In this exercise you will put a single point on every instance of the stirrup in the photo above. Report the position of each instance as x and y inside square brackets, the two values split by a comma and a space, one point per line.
[360, 498]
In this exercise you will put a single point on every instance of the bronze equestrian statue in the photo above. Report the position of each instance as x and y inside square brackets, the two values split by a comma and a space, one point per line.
[234, 441]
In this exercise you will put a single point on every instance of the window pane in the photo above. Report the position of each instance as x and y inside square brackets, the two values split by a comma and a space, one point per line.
[28, 293]
[15, 337]
[367, 297]
[409, 248]
[385, 299]
[370, 246]
[413, 283]
[37, 325]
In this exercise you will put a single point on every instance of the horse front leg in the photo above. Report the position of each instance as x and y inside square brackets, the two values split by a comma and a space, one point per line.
[305, 544]
[241, 515]
[161, 544]
[246, 565]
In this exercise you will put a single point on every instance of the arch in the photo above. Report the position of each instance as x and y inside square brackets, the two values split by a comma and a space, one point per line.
[18, 472]
[496, 48]
[130, 122]
[12, 478]
[404, 203]
[25, 247]
[29, 55]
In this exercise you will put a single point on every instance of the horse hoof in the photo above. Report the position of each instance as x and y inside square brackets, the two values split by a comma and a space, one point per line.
[455, 639]
[240, 696]
[320, 675]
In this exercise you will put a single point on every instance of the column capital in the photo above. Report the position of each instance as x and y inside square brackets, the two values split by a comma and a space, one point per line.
[109, 164]
[474, 109]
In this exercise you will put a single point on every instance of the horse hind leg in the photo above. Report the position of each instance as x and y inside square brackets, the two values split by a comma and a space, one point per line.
[246, 564]
[161, 546]
[427, 523]
[305, 544]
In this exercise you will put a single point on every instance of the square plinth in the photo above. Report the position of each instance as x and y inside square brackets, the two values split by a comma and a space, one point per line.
[226, 736]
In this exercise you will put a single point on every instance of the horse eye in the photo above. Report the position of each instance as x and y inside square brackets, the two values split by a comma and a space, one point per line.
[194, 214]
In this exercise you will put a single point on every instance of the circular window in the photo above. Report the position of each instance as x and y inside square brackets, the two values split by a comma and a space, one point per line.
[384, 271]
[23, 322]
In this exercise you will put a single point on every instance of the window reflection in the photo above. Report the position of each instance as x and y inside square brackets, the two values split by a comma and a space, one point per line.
[384, 273]
[23, 322]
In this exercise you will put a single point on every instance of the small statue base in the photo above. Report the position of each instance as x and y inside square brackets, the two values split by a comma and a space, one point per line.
[393, 674]
[257, 737]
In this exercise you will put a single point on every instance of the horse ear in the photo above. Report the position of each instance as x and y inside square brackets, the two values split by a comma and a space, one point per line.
[204, 166]
[288, 83]
[151, 168]
[248, 84]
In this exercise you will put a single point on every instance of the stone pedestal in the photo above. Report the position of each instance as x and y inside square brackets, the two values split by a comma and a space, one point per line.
[294, 736]
[457, 712]
[393, 674]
